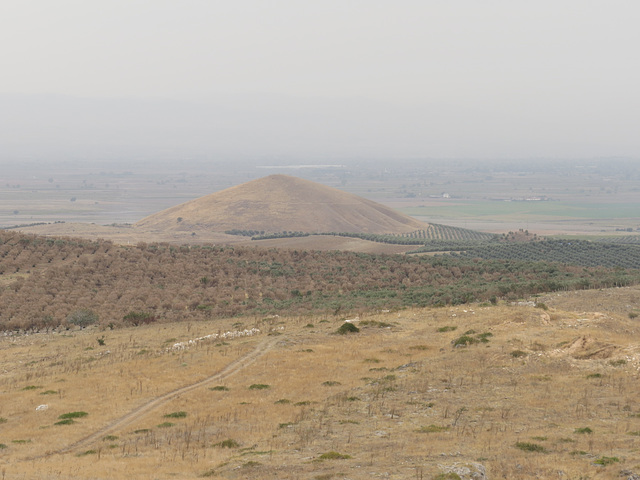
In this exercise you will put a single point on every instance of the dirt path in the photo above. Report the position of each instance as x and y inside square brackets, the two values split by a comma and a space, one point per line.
[232, 368]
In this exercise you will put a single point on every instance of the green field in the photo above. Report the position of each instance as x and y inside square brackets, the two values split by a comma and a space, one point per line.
[539, 210]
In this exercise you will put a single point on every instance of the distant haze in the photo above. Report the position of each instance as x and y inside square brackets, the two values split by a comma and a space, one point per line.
[310, 81]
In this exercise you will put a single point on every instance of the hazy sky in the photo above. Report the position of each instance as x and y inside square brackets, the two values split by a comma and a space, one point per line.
[453, 78]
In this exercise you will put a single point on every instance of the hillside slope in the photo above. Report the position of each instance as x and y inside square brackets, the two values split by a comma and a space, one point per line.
[280, 203]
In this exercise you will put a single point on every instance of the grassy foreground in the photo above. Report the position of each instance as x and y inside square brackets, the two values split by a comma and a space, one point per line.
[515, 390]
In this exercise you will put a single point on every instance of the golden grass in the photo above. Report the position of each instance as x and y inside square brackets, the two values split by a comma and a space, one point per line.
[401, 401]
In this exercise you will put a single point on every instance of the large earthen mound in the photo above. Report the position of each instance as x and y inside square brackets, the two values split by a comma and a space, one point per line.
[280, 203]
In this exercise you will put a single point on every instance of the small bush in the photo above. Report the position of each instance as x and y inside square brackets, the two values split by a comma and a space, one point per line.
[88, 452]
[447, 476]
[228, 443]
[484, 337]
[604, 461]
[432, 429]
[633, 315]
[110, 438]
[346, 328]
[31, 387]
[331, 383]
[464, 340]
[542, 306]
[584, 430]
[518, 354]
[82, 318]
[618, 363]
[176, 415]
[447, 328]
[2, 446]
[594, 375]
[220, 388]
[3, 420]
[166, 425]
[73, 415]
[139, 318]
[259, 386]
[142, 430]
[67, 421]
[530, 447]
[375, 323]
[334, 456]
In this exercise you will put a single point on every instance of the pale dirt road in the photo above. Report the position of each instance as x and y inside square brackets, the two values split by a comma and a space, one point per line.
[232, 368]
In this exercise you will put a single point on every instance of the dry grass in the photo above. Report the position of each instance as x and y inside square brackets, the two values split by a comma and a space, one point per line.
[400, 401]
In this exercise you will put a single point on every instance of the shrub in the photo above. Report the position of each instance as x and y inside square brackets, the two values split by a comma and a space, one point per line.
[447, 328]
[88, 452]
[464, 340]
[346, 328]
[530, 447]
[432, 429]
[228, 443]
[165, 425]
[604, 461]
[283, 401]
[331, 383]
[65, 416]
[67, 421]
[447, 476]
[518, 354]
[220, 388]
[259, 386]
[176, 415]
[334, 456]
[484, 337]
[139, 318]
[584, 430]
[82, 318]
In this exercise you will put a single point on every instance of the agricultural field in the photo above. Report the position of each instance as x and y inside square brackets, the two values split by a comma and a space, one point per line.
[52, 282]
[547, 197]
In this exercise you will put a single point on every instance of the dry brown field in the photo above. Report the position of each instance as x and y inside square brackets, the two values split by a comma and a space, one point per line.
[540, 393]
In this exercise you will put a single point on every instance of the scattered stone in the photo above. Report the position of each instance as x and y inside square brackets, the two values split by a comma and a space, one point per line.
[467, 470]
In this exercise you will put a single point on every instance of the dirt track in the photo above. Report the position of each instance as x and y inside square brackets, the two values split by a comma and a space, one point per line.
[232, 368]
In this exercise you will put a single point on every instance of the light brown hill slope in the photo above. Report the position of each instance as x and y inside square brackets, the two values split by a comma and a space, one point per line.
[280, 203]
